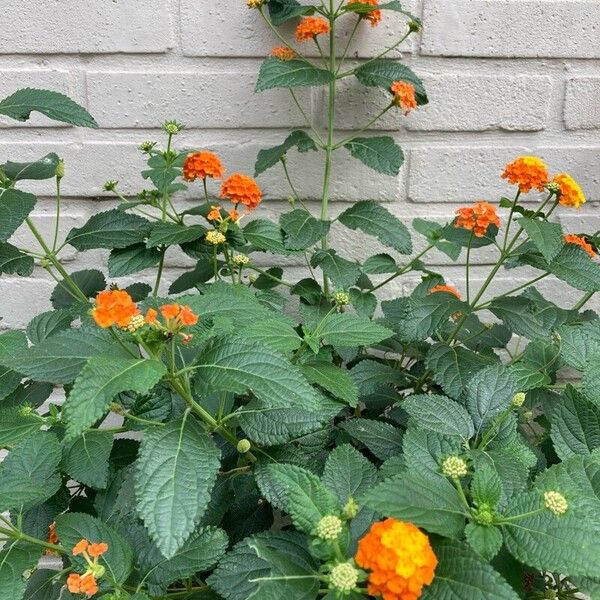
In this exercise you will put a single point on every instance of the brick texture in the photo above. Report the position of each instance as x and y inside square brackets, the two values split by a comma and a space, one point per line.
[504, 77]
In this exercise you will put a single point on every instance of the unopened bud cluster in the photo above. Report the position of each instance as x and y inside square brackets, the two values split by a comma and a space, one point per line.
[329, 528]
[137, 322]
[556, 503]
[255, 3]
[244, 446]
[172, 127]
[215, 237]
[518, 399]
[241, 260]
[341, 298]
[454, 467]
[344, 577]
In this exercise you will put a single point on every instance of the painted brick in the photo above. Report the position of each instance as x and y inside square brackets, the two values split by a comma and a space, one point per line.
[582, 105]
[23, 299]
[512, 28]
[70, 27]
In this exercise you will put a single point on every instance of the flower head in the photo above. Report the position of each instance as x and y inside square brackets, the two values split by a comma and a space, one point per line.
[137, 322]
[241, 189]
[234, 215]
[311, 27]
[97, 550]
[173, 127]
[374, 16]
[114, 307]
[343, 577]
[445, 288]
[518, 399]
[404, 95]
[400, 559]
[200, 165]
[455, 467]
[556, 503]
[283, 53]
[215, 237]
[241, 260]
[477, 218]
[214, 213]
[180, 315]
[80, 547]
[570, 192]
[243, 446]
[580, 241]
[254, 3]
[329, 528]
[528, 172]
[341, 298]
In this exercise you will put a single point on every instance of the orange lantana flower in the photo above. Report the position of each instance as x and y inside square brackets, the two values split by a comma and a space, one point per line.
[581, 242]
[404, 95]
[86, 584]
[200, 165]
[528, 172]
[242, 189]
[400, 560]
[477, 218]
[310, 27]
[96, 550]
[181, 315]
[170, 311]
[283, 53]
[151, 316]
[234, 215]
[80, 547]
[114, 307]
[570, 192]
[374, 16]
[214, 213]
[445, 288]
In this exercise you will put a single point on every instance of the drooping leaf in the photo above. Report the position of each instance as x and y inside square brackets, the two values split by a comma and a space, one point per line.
[170, 234]
[547, 237]
[269, 157]
[47, 324]
[275, 73]
[85, 459]
[89, 281]
[281, 11]
[132, 259]
[381, 154]
[382, 439]
[332, 379]
[42, 168]
[15, 262]
[265, 235]
[341, 271]
[439, 414]
[301, 229]
[15, 206]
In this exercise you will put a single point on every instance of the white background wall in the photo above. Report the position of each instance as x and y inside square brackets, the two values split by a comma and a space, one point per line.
[504, 77]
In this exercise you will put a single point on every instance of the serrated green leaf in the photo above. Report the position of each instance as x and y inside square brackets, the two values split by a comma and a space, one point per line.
[281, 11]
[269, 157]
[301, 229]
[547, 237]
[170, 234]
[439, 414]
[485, 540]
[332, 379]
[278, 333]
[486, 485]
[175, 473]
[383, 72]
[275, 73]
[380, 264]
[102, 378]
[578, 343]
[85, 459]
[132, 259]
[381, 154]
[265, 235]
[54, 105]
[14, 426]
[15, 206]
[345, 329]
[382, 439]
[42, 168]
[15, 262]
[44, 584]
[15, 559]
[370, 376]
[424, 450]
[47, 324]
[12, 343]
[373, 219]
[201, 273]
[343, 272]
[89, 281]
[109, 229]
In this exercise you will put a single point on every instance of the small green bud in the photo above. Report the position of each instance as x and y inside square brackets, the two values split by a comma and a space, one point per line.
[147, 146]
[241, 260]
[172, 127]
[341, 298]
[528, 415]
[60, 169]
[25, 410]
[518, 399]
[343, 577]
[556, 503]
[110, 185]
[455, 467]
[485, 515]
[351, 509]
[244, 446]
[254, 3]
[329, 528]
[253, 278]
[553, 188]
[414, 26]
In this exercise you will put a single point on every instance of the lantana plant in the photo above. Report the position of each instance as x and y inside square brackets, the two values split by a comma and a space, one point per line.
[242, 435]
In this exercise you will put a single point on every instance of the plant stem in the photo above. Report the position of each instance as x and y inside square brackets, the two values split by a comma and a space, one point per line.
[364, 128]
[583, 301]
[467, 271]
[403, 270]
[289, 180]
[306, 118]
[272, 277]
[57, 222]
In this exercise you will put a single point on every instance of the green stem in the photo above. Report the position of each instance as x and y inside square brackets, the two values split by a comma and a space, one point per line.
[533, 513]
[524, 285]
[289, 180]
[364, 128]
[403, 270]
[307, 119]
[461, 493]
[583, 301]
[57, 222]
[159, 272]
[467, 270]
[205, 189]
[272, 277]
[17, 535]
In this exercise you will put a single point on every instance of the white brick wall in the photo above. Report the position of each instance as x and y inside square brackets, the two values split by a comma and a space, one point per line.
[504, 77]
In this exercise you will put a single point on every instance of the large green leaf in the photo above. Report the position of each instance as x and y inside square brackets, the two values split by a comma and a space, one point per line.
[44, 584]
[109, 229]
[12, 343]
[275, 73]
[201, 273]
[233, 364]
[170, 234]
[42, 168]
[14, 425]
[301, 229]
[282, 10]
[547, 237]
[341, 271]
[269, 157]
[15, 206]
[133, 259]
[333, 379]
[15, 262]
[381, 154]
[265, 235]
[373, 219]
[89, 281]
[440, 414]
[344, 330]
[462, 574]
[425, 450]
[277, 332]
[578, 343]
[383, 72]
[425, 499]
[102, 378]
[382, 439]
[85, 459]
[15, 559]
[175, 473]
[47, 324]
[118, 559]
[54, 105]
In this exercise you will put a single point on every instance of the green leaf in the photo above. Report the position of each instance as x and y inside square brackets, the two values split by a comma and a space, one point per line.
[15, 426]
[488, 393]
[486, 485]
[301, 229]
[305, 498]
[383, 72]
[591, 380]
[85, 459]
[132, 259]
[54, 105]
[424, 450]
[265, 235]
[547, 237]
[277, 332]
[271, 565]
[43, 168]
[334, 380]
[34, 394]
[382, 439]
[89, 281]
[381, 154]
[15, 262]
[175, 473]
[373, 219]
[233, 364]
[269, 157]
[345, 329]
[439, 414]
[380, 264]
[341, 271]
[109, 229]
[102, 378]
[578, 343]
[42, 585]
[575, 425]
[574, 266]
[485, 540]
[427, 500]
[12, 343]
[463, 574]
[364, 303]
[566, 544]
[47, 324]
[370, 376]
[453, 366]
[15, 206]
[201, 273]
[275, 73]
[15, 559]
[73, 527]
[281, 11]
[170, 234]
[348, 474]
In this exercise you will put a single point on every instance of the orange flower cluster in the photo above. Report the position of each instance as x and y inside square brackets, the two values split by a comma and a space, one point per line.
[200, 165]
[400, 559]
[374, 16]
[241, 189]
[570, 192]
[176, 317]
[477, 218]
[404, 96]
[528, 172]
[283, 53]
[215, 214]
[445, 288]
[86, 583]
[311, 27]
[581, 242]
[114, 307]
